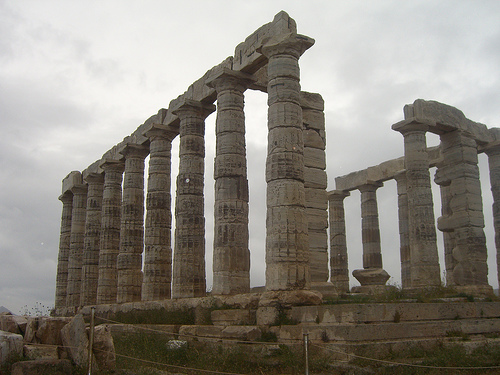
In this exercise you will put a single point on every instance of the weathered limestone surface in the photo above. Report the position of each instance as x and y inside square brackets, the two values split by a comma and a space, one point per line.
[231, 259]
[11, 346]
[287, 250]
[64, 246]
[158, 227]
[129, 261]
[425, 271]
[404, 239]
[90, 263]
[189, 249]
[76, 244]
[339, 269]
[110, 230]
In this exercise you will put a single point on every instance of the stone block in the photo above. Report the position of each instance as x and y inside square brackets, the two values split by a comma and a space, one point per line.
[49, 330]
[305, 314]
[314, 158]
[232, 317]
[313, 139]
[104, 348]
[42, 366]
[13, 323]
[316, 198]
[317, 219]
[72, 179]
[310, 100]
[242, 333]
[33, 352]
[11, 346]
[313, 119]
[75, 340]
[315, 178]
[267, 315]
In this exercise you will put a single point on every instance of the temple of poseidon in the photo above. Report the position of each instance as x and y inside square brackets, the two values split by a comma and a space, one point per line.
[116, 246]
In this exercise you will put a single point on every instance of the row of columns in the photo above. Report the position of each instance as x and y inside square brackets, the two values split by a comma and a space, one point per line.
[462, 219]
[103, 232]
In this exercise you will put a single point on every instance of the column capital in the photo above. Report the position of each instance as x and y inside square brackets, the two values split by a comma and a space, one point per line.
[286, 44]
[162, 131]
[411, 125]
[336, 195]
[370, 186]
[188, 107]
[112, 165]
[226, 78]
[94, 178]
[79, 189]
[66, 197]
[136, 150]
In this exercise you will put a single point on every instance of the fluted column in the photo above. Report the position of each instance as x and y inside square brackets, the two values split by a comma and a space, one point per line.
[425, 271]
[158, 227]
[448, 236]
[90, 263]
[129, 261]
[64, 248]
[493, 153]
[231, 258]
[110, 230]
[76, 245]
[189, 250]
[339, 268]
[460, 172]
[404, 241]
[287, 245]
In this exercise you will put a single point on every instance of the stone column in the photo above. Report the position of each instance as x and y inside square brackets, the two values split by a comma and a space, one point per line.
[315, 184]
[231, 258]
[339, 269]
[90, 264]
[76, 245]
[448, 236]
[372, 272]
[64, 248]
[158, 226]
[129, 262]
[404, 241]
[189, 250]
[110, 230]
[287, 245]
[493, 153]
[425, 271]
[460, 172]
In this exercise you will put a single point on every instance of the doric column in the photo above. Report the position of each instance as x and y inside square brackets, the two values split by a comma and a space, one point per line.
[460, 172]
[64, 248]
[315, 184]
[129, 262]
[493, 153]
[90, 263]
[231, 258]
[448, 236]
[424, 259]
[76, 245]
[404, 240]
[110, 230]
[339, 269]
[372, 272]
[189, 250]
[158, 227]
[287, 245]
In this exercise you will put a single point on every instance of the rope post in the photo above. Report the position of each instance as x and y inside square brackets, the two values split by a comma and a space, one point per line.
[91, 339]
[306, 353]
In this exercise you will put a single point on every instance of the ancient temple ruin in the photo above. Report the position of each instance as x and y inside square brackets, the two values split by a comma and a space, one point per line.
[110, 252]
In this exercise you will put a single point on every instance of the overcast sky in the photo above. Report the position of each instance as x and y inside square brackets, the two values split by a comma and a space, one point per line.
[76, 77]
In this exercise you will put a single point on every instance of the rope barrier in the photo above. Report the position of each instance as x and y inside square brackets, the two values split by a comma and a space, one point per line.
[406, 364]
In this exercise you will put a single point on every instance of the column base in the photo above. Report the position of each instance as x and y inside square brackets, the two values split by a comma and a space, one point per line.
[327, 289]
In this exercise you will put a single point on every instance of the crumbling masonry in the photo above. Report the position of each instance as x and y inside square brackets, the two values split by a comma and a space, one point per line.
[109, 253]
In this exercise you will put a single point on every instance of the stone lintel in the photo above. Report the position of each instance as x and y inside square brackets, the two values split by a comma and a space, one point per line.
[333, 194]
[246, 56]
[72, 179]
[490, 148]
[93, 177]
[380, 173]
[199, 91]
[370, 185]
[92, 169]
[112, 163]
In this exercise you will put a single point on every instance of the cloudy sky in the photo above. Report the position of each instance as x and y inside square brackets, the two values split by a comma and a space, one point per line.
[77, 76]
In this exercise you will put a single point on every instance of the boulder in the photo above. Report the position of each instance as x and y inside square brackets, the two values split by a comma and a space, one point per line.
[75, 340]
[31, 328]
[104, 348]
[40, 352]
[11, 346]
[13, 323]
[243, 333]
[42, 366]
[49, 330]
